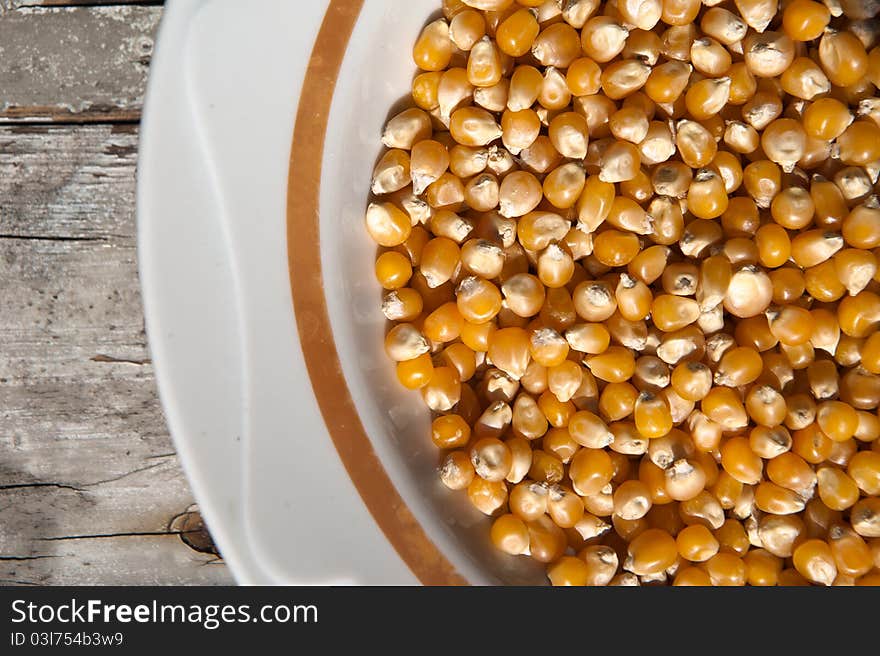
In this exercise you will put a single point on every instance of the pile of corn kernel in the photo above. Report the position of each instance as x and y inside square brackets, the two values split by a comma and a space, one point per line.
[630, 258]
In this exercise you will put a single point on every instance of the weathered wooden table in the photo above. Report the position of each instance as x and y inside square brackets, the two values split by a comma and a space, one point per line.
[91, 491]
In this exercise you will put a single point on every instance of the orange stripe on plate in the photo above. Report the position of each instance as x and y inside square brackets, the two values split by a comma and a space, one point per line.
[313, 322]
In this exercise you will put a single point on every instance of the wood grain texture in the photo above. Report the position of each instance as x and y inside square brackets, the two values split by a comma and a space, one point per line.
[89, 483]
[74, 64]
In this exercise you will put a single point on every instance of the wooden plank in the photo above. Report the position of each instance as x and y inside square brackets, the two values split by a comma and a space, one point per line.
[89, 483]
[79, 64]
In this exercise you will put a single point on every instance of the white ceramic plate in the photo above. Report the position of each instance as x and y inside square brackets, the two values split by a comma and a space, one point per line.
[310, 465]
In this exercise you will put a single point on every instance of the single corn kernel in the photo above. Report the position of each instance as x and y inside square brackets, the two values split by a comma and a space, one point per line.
[757, 13]
[685, 479]
[443, 391]
[615, 248]
[528, 500]
[814, 561]
[402, 305]
[563, 186]
[564, 506]
[484, 67]
[743, 85]
[865, 517]
[740, 461]
[651, 552]
[805, 20]
[510, 535]
[622, 78]
[677, 41]
[456, 472]
[520, 129]
[474, 126]
[842, 57]
[695, 143]
[741, 137]
[691, 576]
[416, 373]
[836, 489]
[696, 543]
[554, 94]
[509, 351]
[393, 270]
[520, 193]
[602, 39]
[615, 365]
[405, 342]
[387, 224]
[852, 555]
[837, 420]
[762, 568]
[643, 45]
[652, 415]
[433, 49]
[620, 162]
[784, 142]
[723, 26]
[726, 569]
[749, 292]
[667, 81]
[602, 564]
[406, 129]
[516, 34]
[447, 192]
[491, 458]
[860, 143]
[590, 471]
[583, 77]
[855, 269]
[777, 500]
[790, 324]
[588, 430]
[691, 380]
[805, 79]
[780, 533]
[557, 45]
[864, 469]
[487, 496]
[564, 380]
[774, 245]
[524, 294]
[630, 124]
[546, 540]
[466, 29]
[643, 14]
[765, 406]
[548, 348]
[450, 432]
[568, 571]
[768, 54]
[526, 83]
[425, 90]
[493, 98]
[854, 183]
[709, 58]
[861, 227]
[761, 109]
[588, 338]
[557, 412]
[568, 133]
[707, 197]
